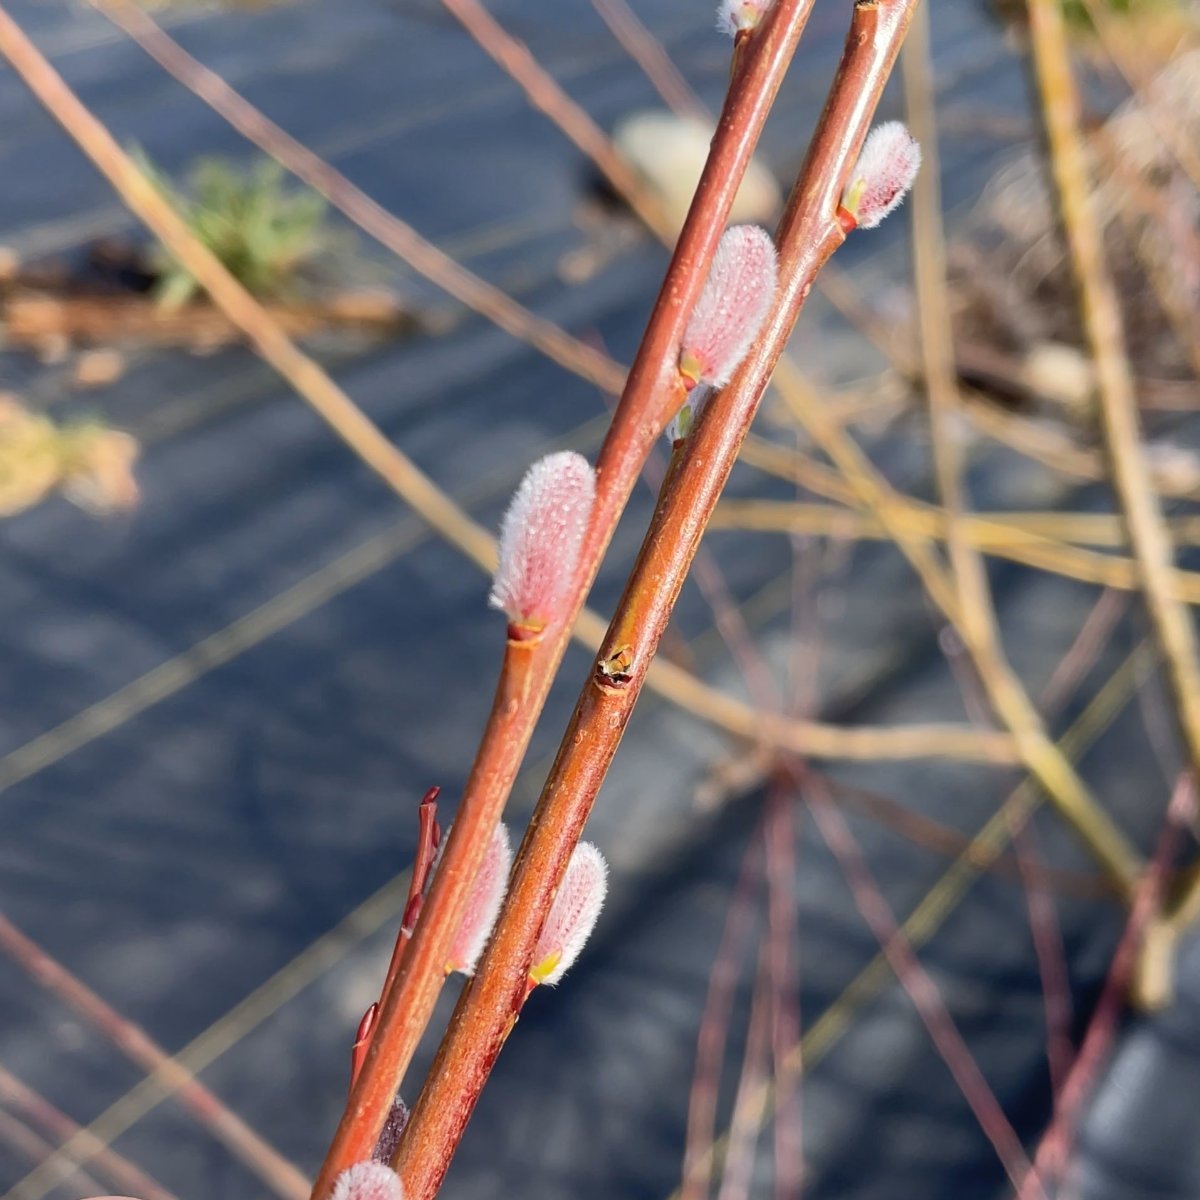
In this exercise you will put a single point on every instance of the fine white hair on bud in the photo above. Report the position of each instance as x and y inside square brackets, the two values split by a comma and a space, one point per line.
[889, 162]
[367, 1181]
[572, 916]
[540, 540]
[483, 904]
[736, 16]
[732, 307]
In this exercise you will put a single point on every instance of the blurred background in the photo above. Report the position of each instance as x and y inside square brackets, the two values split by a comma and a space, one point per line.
[233, 660]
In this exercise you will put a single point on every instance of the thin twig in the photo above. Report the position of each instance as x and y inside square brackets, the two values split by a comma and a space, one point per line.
[988, 529]
[1056, 449]
[27, 1141]
[926, 918]
[713, 1034]
[1055, 1146]
[544, 93]
[1041, 540]
[1050, 952]
[229, 1029]
[780, 832]
[1051, 769]
[920, 988]
[744, 1127]
[392, 233]
[1149, 539]
[428, 838]
[647, 51]
[948, 842]
[247, 1146]
[122, 1173]
[976, 615]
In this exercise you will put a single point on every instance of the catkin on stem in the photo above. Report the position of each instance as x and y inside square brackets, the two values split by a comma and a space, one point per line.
[368, 1181]
[483, 904]
[732, 307]
[573, 915]
[886, 168]
[540, 540]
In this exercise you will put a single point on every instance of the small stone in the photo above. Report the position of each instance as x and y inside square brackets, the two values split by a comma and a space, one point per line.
[10, 264]
[669, 153]
[98, 368]
[1060, 374]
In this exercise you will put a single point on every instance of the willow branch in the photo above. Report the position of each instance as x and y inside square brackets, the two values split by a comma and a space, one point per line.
[651, 397]
[396, 470]
[808, 234]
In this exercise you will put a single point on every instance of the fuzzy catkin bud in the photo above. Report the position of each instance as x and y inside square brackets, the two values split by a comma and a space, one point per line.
[389, 1135]
[731, 308]
[889, 162]
[572, 916]
[540, 540]
[483, 904]
[736, 16]
[367, 1181]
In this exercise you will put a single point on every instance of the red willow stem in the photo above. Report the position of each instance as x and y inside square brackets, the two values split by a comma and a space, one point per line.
[399, 1023]
[648, 402]
[808, 235]
[429, 835]
[362, 1040]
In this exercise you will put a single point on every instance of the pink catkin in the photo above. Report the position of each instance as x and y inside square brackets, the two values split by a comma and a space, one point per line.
[540, 539]
[890, 160]
[573, 915]
[734, 16]
[732, 306]
[367, 1181]
[483, 904]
